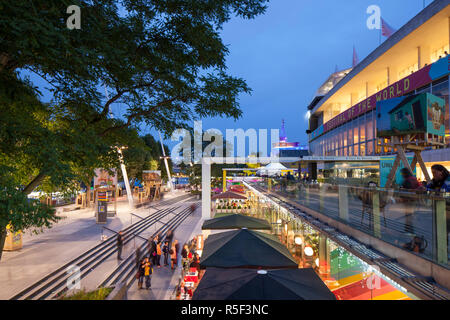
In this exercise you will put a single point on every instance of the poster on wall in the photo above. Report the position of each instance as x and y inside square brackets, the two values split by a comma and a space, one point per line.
[413, 114]
[386, 164]
[103, 178]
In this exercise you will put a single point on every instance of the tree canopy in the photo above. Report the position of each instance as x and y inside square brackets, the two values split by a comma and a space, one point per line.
[163, 60]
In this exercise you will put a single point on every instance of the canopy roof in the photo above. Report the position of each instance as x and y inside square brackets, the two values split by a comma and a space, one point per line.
[250, 284]
[228, 195]
[236, 221]
[275, 166]
[245, 248]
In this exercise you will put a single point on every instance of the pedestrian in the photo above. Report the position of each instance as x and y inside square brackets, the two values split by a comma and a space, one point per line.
[138, 257]
[195, 262]
[441, 183]
[140, 275]
[152, 250]
[148, 271]
[173, 256]
[119, 245]
[409, 183]
[441, 179]
[409, 180]
[169, 236]
[184, 257]
[158, 254]
[165, 251]
[177, 249]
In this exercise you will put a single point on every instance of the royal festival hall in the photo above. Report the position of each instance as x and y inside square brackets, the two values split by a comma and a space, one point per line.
[343, 141]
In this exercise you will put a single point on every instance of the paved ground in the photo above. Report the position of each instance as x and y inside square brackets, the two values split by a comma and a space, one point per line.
[164, 280]
[47, 251]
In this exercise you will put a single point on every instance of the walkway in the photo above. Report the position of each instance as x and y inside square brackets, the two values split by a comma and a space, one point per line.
[164, 280]
[44, 252]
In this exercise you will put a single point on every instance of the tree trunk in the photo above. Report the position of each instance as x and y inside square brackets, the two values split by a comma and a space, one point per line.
[88, 193]
[34, 183]
[2, 240]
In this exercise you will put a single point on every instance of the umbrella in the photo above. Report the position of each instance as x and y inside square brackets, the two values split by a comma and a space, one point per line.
[245, 248]
[228, 195]
[235, 221]
[249, 284]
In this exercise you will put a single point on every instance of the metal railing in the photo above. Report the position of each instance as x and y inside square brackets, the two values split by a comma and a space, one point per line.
[414, 221]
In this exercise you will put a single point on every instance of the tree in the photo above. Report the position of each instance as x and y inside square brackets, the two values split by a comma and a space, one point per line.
[163, 60]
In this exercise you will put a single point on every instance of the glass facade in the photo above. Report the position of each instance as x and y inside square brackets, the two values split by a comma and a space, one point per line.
[358, 137]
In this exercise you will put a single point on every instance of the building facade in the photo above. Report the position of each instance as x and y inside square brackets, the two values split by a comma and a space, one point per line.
[343, 140]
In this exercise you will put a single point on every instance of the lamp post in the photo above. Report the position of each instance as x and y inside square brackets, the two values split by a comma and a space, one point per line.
[169, 178]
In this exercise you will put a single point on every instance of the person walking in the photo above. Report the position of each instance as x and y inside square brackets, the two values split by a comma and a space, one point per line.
[138, 258]
[184, 257]
[169, 236]
[409, 183]
[166, 253]
[119, 245]
[158, 255]
[148, 271]
[152, 250]
[140, 275]
[173, 256]
[177, 249]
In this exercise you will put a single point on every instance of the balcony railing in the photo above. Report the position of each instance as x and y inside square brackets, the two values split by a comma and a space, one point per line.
[417, 222]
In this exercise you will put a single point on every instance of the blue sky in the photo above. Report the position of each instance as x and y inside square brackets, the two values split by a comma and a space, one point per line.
[286, 54]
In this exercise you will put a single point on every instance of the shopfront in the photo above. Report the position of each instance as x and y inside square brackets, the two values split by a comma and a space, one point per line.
[347, 276]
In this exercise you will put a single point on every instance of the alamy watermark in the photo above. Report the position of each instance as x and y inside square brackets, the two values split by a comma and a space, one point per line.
[74, 20]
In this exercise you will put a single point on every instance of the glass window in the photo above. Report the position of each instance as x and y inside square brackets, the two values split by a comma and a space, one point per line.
[356, 150]
[362, 129]
[362, 149]
[369, 150]
[350, 151]
[350, 133]
[369, 128]
[355, 131]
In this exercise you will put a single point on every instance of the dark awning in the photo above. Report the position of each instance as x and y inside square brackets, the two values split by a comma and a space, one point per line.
[250, 284]
[245, 248]
[236, 221]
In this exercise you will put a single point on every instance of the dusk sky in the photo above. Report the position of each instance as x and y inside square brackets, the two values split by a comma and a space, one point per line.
[287, 53]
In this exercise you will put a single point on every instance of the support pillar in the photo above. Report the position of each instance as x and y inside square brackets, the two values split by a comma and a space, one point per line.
[324, 256]
[224, 180]
[376, 214]
[440, 231]
[206, 188]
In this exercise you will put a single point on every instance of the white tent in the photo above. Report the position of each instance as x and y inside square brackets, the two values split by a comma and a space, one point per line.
[271, 169]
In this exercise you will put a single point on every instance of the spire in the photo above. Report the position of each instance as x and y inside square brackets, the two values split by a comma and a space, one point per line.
[283, 137]
[355, 57]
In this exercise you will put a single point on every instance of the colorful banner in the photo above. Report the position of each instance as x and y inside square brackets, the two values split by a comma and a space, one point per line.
[386, 164]
[413, 114]
[414, 81]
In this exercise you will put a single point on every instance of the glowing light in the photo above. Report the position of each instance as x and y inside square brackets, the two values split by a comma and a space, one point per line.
[317, 261]
[309, 251]
[298, 240]
[279, 221]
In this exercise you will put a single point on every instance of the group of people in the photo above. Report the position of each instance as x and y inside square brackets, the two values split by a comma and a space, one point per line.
[439, 183]
[189, 259]
[156, 249]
